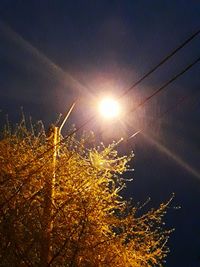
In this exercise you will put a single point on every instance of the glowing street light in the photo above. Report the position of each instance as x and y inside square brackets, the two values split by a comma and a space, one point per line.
[109, 108]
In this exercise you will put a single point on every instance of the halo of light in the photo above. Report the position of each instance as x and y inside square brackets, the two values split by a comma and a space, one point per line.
[109, 108]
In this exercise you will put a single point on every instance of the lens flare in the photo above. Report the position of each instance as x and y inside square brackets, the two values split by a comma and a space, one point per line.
[109, 108]
[173, 156]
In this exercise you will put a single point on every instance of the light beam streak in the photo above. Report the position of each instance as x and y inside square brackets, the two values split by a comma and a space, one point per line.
[133, 135]
[53, 68]
[173, 156]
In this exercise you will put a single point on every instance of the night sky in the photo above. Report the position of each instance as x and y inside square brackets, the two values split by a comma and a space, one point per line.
[53, 52]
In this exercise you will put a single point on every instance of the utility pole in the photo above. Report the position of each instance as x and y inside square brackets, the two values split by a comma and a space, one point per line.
[49, 191]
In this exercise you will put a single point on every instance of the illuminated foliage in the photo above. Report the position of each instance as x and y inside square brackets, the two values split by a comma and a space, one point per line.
[89, 223]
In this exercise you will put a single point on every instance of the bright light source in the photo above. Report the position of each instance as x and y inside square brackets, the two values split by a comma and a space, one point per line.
[109, 108]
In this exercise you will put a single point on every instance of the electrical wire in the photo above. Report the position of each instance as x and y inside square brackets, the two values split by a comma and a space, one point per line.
[135, 84]
[180, 101]
[164, 60]
[130, 111]
[165, 85]
[143, 102]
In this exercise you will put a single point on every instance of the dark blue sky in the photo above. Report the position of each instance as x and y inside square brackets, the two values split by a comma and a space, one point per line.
[54, 51]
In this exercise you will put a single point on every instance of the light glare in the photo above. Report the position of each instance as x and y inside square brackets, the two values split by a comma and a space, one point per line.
[109, 108]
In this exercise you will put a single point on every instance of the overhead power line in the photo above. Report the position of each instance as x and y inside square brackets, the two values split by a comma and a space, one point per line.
[165, 59]
[134, 85]
[130, 111]
[149, 73]
[181, 100]
[146, 75]
[143, 102]
[165, 85]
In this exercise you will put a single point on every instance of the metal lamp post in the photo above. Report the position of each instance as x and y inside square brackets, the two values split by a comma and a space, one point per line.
[47, 223]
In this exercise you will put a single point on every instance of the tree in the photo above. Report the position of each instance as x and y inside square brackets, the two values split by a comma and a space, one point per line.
[88, 223]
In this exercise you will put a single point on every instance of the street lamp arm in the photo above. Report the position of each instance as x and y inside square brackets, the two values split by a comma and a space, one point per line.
[66, 117]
